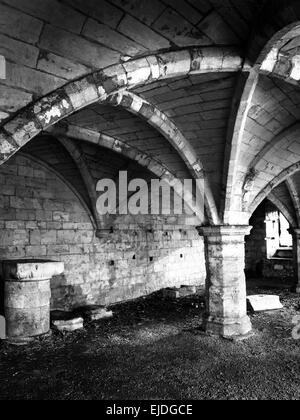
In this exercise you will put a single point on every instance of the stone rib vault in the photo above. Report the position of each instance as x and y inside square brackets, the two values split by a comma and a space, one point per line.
[163, 89]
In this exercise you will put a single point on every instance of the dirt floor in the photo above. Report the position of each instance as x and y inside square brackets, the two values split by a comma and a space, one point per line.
[153, 349]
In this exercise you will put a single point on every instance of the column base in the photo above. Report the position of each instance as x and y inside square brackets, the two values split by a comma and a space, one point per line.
[227, 328]
[24, 341]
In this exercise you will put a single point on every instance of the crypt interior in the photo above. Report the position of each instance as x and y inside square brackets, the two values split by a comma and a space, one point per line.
[163, 89]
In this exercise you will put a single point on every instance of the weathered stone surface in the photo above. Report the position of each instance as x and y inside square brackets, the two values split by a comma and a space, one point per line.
[192, 14]
[201, 111]
[82, 93]
[260, 303]
[52, 109]
[102, 11]
[52, 11]
[217, 30]
[18, 51]
[27, 297]
[13, 99]
[175, 64]
[95, 313]
[61, 66]
[26, 323]
[225, 285]
[31, 270]
[3, 116]
[174, 27]
[23, 128]
[111, 39]
[179, 292]
[19, 25]
[37, 227]
[134, 29]
[7, 146]
[68, 325]
[22, 295]
[31, 80]
[74, 47]
[141, 9]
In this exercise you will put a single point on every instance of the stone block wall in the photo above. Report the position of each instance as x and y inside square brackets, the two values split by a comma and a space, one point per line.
[281, 269]
[41, 217]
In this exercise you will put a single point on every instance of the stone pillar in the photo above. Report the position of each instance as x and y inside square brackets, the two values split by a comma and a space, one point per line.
[226, 306]
[27, 296]
[296, 255]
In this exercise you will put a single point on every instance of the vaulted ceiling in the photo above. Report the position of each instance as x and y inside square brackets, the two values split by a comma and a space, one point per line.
[202, 88]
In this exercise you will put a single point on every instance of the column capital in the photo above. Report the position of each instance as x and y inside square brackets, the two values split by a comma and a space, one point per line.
[224, 230]
[31, 270]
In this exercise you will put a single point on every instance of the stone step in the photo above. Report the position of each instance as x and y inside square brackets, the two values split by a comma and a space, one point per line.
[66, 321]
[183, 291]
[259, 303]
[95, 313]
[69, 325]
[72, 321]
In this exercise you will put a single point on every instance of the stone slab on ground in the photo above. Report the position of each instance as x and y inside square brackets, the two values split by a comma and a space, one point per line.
[66, 321]
[69, 325]
[259, 303]
[95, 313]
[179, 292]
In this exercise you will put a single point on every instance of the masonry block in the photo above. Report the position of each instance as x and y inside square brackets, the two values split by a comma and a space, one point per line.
[27, 297]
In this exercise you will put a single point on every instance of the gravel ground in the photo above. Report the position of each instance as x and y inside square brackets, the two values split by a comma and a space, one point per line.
[153, 349]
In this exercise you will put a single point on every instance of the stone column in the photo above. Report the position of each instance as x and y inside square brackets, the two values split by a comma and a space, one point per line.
[27, 296]
[226, 306]
[296, 255]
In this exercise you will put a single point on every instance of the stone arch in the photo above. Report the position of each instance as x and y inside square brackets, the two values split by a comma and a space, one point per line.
[273, 27]
[268, 159]
[294, 196]
[64, 181]
[274, 62]
[283, 209]
[160, 121]
[286, 173]
[79, 160]
[95, 87]
[261, 49]
[240, 108]
[118, 146]
[276, 143]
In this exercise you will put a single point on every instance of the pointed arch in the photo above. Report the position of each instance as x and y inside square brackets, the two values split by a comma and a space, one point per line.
[294, 196]
[161, 122]
[286, 173]
[118, 146]
[95, 87]
[282, 208]
[78, 157]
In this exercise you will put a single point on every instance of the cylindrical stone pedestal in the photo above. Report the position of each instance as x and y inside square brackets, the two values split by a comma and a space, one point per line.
[27, 296]
[226, 306]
